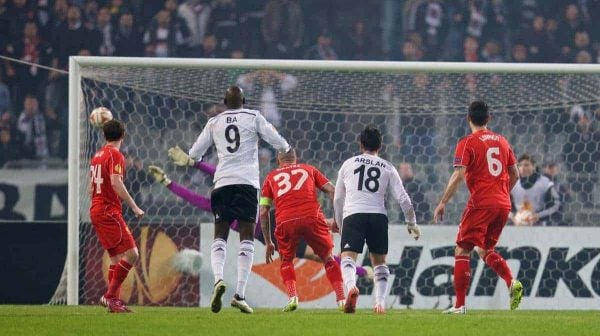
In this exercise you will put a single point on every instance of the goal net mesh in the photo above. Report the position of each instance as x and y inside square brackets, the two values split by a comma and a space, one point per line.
[554, 118]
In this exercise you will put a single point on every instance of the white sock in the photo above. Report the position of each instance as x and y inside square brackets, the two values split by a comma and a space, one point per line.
[348, 266]
[218, 251]
[382, 273]
[245, 258]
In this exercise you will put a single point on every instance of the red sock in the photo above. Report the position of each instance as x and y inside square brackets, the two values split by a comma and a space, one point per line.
[289, 277]
[462, 277]
[120, 273]
[111, 272]
[498, 264]
[111, 275]
[334, 274]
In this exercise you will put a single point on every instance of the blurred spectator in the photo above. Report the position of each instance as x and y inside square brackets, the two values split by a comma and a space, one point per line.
[127, 39]
[496, 24]
[106, 32]
[90, 13]
[19, 13]
[117, 8]
[581, 155]
[539, 45]
[5, 104]
[583, 57]
[535, 193]
[196, 14]
[43, 18]
[162, 38]
[69, 38]
[209, 47]
[225, 25]
[29, 48]
[4, 23]
[54, 135]
[568, 27]
[474, 12]
[58, 17]
[323, 50]
[519, 53]
[283, 29]
[251, 16]
[270, 86]
[9, 149]
[552, 172]
[178, 24]
[411, 52]
[430, 22]
[470, 50]
[358, 44]
[492, 52]
[10, 139]
[33, 126]
[415, 190]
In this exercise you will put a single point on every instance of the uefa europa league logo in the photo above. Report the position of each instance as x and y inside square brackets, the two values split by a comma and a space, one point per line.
[153, 278]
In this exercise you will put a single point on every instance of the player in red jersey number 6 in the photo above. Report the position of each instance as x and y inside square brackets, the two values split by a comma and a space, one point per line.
[106, 190]
[292, 188]
[486, 162]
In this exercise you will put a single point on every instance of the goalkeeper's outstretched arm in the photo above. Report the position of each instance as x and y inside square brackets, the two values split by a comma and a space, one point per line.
[180, 158]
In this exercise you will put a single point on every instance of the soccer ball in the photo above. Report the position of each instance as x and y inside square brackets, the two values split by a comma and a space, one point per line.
[99, 116]
[187, 261]
[524, 217]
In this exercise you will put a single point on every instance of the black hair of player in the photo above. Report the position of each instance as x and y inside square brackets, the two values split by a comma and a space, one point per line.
[234, 97]
[370, 138]
[479, 113]
[113, 130]
[526, 157]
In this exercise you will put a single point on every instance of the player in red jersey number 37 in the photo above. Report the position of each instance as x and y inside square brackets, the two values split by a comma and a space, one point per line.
[292, 188]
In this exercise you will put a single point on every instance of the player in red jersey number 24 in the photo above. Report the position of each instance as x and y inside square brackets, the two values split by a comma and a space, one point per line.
[106, 190]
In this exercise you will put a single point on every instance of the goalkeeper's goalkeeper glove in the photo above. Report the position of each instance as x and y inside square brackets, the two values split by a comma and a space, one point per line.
[413, 230]
[159, 175]
[179, 157]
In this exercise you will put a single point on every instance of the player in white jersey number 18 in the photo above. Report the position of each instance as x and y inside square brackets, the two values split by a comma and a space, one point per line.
[362, 184]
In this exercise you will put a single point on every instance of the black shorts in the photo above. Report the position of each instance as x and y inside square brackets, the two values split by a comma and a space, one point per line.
[371, 228]
[236, 201]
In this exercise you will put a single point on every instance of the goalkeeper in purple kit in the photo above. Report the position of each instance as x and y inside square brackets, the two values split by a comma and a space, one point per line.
[181, 158]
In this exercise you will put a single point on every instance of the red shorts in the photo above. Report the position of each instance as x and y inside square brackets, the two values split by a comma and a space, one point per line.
[314, 230]
[481, 228]
[113, 233]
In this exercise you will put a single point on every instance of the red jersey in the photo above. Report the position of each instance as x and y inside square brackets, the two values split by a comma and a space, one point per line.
[293, 189]
[106, 162]
[486, 157]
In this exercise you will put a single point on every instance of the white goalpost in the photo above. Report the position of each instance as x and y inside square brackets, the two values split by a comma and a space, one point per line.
[419, 106]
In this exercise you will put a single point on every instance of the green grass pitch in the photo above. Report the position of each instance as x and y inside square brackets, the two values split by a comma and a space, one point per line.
[94, 320]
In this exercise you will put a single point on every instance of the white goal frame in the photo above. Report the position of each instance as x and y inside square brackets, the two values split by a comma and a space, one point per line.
[75, 100]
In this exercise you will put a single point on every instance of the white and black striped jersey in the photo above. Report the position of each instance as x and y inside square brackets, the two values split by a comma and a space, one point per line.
[362, 185]
[235, 134]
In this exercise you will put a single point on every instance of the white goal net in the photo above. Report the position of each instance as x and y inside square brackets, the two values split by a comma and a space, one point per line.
[552, 114]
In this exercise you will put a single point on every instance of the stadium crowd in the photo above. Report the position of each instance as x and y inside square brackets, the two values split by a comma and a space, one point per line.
[33, 101]
[33, 104]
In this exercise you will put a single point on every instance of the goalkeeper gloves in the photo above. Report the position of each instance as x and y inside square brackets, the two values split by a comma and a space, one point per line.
[159, 175]
[413, 230]
[179, 157]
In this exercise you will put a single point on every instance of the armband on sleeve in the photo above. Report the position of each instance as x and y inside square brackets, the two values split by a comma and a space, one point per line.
[265, 201]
